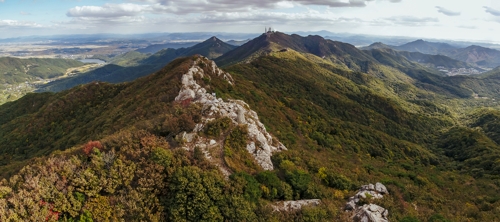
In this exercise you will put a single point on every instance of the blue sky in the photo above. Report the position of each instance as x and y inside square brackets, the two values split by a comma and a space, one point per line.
[441, 19]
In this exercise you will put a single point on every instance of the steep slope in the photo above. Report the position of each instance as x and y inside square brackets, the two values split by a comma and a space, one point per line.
[133, 65]
[108, 107]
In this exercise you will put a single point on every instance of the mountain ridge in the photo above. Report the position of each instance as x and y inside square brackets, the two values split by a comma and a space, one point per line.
[347, 119]
[473, 54]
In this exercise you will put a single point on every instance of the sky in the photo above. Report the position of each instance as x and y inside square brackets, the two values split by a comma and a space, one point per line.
[477, 20]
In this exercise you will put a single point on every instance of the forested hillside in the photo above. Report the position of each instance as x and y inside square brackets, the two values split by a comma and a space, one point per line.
[18, 76]
[176, 145]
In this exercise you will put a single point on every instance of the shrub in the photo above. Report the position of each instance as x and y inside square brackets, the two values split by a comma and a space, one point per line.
[216, 127]
[87, 148]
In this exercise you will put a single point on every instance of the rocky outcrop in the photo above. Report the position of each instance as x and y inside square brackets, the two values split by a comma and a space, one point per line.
[371, 213]
[368, 212]
[294, 204]
[260, 144]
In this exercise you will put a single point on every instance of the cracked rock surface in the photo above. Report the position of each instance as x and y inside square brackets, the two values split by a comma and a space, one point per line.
[368, 212]
[260, 143]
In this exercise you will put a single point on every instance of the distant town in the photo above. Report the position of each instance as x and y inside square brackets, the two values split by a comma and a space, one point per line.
[459, 71]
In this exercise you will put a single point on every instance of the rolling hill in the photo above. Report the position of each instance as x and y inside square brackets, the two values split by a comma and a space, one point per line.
[425, 47]
[158, 47]
[133, 65]
[426, 59]
[15, 70]
[19, 76]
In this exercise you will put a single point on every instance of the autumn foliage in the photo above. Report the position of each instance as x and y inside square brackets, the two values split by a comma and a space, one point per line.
[87, 149]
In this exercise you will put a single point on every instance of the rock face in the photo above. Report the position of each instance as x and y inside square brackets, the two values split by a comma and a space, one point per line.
[368, 212]
[260, 144]
[295, 204]
[371, 212]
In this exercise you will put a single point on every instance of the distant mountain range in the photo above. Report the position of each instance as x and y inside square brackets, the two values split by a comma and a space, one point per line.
[476, 55]
[132, 65]
[157, 47]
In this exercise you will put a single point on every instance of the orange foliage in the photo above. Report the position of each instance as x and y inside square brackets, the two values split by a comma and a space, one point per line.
[53, 215]
[87, 149]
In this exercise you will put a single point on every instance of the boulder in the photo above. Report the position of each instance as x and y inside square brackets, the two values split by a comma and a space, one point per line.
[371, 213]
[381, 188]
[368, 212]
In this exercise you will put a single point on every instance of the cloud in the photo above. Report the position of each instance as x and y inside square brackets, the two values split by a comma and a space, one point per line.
[108, 11]
[334, 3]
[18, 24]
[467, 27]
[407, 20]
[24, 13]
[194, 6]
[141, 7]
[492, 11]
[447, 12]
[267, 17]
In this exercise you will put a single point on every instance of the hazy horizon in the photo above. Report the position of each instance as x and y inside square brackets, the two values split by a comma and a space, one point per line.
[446, 19]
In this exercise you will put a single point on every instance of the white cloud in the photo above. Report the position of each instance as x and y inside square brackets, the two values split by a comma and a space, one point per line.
[409, 20]
[265, 17]
[492, 11]
[447, 12]
[108, 10]
[18, 24]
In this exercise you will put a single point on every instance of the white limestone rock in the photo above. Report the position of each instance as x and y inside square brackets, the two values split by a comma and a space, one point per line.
[371, 213]
[294, 204]
[260, 143]
[368, 212]
[381, 188]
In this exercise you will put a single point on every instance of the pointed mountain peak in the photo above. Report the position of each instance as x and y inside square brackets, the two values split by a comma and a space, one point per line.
[376, 45]
[213, 39]
[211, 48]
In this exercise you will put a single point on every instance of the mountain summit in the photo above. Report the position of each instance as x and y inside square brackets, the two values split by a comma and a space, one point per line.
[432, 48]
[211, 48]
[280, 42]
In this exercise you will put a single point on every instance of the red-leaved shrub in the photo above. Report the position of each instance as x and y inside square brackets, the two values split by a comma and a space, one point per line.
[87, 149]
